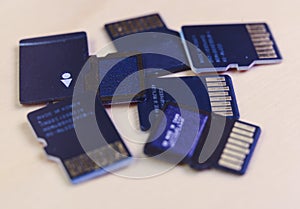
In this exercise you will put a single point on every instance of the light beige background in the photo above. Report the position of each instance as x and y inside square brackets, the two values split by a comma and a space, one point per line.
[267, 95]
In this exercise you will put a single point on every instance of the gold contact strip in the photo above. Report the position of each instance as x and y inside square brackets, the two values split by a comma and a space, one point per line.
[256, 27]
[139, 26]
[238, 142]
[217, 104]
[237, 148]
[232, 159]
[261, 51]
[112, 30]
[255, 31]
[260, 35]
[227, 164]
[264, 48]
[128, 28]
[229, 113]
[244, 126]
[267, 56]
[156, 22]
[257, 39]
[214, 79]
[221, 109]
[218, 94]
[150, 21]
[104, 156]
[217, 99]
[242, 132]
[135, 25]
[234, 154]
[129, 25]
[219, 84]
[241, 137]
[263, 43]
[225, 88]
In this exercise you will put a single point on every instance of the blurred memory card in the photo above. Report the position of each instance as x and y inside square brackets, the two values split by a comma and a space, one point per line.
[49, 66]
[161, 47]
[215, 141]
[119, 77]
[229, 46]
[54, 126]
[212, 93]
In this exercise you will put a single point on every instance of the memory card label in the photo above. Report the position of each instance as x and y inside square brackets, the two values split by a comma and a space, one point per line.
[228, 46]
[179, 136]
[68, 134]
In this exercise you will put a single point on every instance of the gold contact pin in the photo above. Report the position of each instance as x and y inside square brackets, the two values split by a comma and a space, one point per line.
[256, 27]
[220, 98]
[257, 39]
[221, 109]
[259, 51]
[112, 30]
[225, 88]
[260, 35]
[210, 84]
[267, 56]
[216, 104]
[263, 43]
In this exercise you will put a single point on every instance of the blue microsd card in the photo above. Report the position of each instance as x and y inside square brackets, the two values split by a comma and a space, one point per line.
[212, 93]
[161, 47]
[54, 126]
[215, 141]
[49, 66]
[229, 46]
[119, 77]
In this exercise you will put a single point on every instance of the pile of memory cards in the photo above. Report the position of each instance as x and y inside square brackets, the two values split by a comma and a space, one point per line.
[194, 119]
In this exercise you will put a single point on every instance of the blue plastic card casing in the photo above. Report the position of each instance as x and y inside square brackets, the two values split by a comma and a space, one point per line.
[118, 77]
[49, 66]
[212, 93]
[54, 126]
[229, 46]
[169, 51]
[113, 70]
[220, 142]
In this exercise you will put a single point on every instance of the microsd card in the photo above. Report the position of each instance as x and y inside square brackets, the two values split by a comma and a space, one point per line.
[215, 141]
[54, 127]
[119, 77]
[49, 66]
[212, 93]
[229, 46]
[161, 47]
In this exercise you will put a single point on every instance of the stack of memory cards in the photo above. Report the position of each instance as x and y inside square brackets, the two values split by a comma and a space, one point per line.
[193, 120]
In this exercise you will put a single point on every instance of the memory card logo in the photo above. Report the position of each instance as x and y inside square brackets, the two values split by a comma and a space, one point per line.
[66, 79]
[173, 132]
